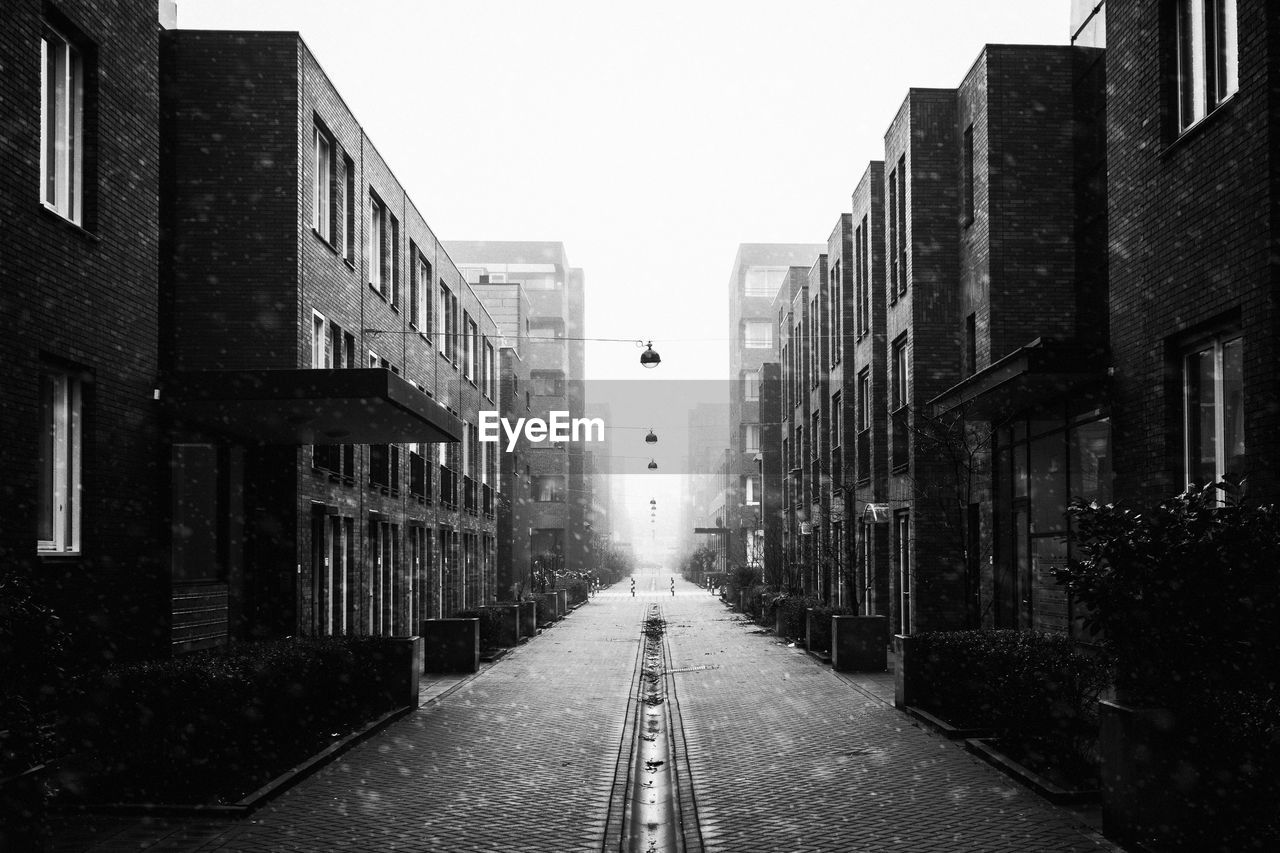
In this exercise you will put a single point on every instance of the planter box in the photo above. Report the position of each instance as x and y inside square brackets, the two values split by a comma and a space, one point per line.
[562, 603]
[817, 632]
[907, 686]
[1141, 755]
[550, 610]
[507, 617]
[403, 667]
[989, 750]
[528, 619]
[860, 643]
[450, 645]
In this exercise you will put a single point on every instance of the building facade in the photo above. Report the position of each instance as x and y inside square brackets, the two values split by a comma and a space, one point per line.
[324, 363]
[79, 196]
[758, 271]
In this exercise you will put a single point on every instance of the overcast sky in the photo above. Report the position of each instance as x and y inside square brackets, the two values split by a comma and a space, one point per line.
[650, 138]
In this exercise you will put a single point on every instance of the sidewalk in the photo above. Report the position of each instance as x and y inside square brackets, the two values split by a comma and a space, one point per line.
[520, 757]
[786, 755]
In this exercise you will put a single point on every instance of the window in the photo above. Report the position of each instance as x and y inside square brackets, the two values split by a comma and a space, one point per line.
[757, 334]
[59, 461]
[751, 489]
[892, 223]
[470, 344]
[864, 277]
[1208, 71]
[489, 369]
[391, 253]
[815, 342]
[966, 167]
[546, 328]
[419, 475]
[751, 438]
[420, 312]
[322, 184]
[349, 208]
[548, 488]
[448, 320]
[548, 383]
[864, 400]
[898, 386]
[902, 225]
[320, 353]
[902, 537]
[836, 307]
[751, 386]
[764, 281]
[61, 125]
[970, 345]
[377, 244]
[1213, 405]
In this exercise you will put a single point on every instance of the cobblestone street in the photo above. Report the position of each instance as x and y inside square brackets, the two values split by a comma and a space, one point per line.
[784, 755]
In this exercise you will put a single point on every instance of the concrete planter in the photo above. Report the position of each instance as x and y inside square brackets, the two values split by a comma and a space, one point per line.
[1142, 752]
[451, 645]
[550, 608]
[860, 643]
[528, 619]
[817, 631]
[907, 687]
[404, 667]
[562, 603]
[778, 627]
[507, 617]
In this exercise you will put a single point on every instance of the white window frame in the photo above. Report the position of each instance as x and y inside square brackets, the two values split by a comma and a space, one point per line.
[62, 422]
[751, 438]
[901, 374]
[321, 352]
[321, 190]
[751, 334]
[1207, 57]
[1217, 345]
[377, 237]
[61, 126]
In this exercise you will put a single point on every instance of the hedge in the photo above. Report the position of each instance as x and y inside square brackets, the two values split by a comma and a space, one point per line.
[214, 726]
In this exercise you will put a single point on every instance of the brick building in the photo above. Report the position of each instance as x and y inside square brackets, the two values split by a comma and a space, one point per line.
[79, 196]
[758, 270]
[325, 363]
[559, 523]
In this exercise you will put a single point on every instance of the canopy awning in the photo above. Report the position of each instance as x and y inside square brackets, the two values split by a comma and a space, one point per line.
[325, 406]
[1038, 373]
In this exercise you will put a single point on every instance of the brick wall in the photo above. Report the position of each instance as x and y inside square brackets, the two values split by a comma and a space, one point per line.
[85, 298]
[1192, 223]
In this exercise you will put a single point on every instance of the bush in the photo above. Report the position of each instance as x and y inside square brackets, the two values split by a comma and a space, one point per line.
[1187, 597]
[213, 726]
[32, 652]
[793, 609]
[490, 628]
[579, 590]
[820, 614]
[1037, 692]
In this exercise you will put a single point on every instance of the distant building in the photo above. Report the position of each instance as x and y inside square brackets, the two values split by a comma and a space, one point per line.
[758, 271]
[559, 527]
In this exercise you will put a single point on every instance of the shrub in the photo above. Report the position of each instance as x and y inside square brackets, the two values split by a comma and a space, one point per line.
[819, 614]
[579, 590]
[490, 629]
[32, 653]
[1037, 692]
[212, 726]
[793, 609]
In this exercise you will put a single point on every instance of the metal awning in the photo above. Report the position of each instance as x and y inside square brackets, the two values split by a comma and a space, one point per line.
[326, 406]
[1038, 373]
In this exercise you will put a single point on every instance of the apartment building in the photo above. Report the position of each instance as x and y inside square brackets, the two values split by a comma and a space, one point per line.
[559, 502]
[758, 271]
[79, 196]
[324, 363]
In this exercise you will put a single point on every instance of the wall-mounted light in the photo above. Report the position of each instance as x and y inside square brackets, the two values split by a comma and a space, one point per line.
[653, 466]
[651, 438]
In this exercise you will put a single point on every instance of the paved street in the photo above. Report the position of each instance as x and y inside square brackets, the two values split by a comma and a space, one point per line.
[784, 756]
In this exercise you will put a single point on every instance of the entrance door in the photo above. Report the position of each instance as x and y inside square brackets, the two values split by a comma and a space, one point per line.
[321, 584]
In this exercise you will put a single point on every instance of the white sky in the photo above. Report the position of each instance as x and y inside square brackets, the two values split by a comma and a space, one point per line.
[650, 138]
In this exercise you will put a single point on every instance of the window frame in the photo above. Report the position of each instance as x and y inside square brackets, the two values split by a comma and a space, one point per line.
[62, 108]
[60, 488]
[377, 244]
[1206, 58]
[322, 180]
[747, 339]
[1217, 345]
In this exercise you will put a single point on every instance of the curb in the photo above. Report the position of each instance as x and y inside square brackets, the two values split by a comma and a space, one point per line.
[1042, 786]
